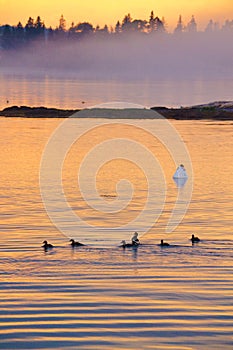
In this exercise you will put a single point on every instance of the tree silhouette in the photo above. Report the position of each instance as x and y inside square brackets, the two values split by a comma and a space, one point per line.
[20, 26]
[151, 26]
[180, 27]
[210, 26]
[30, 23]
[159, 26]
[192, 26]
[118, 27]
[15, 36]
[62, 24]
[102, 31]
[126, 23]
[72, 31]
[39, 27]
[30, 31]
[105, 29]
[155, 24]
[84, 28]
[138, 25]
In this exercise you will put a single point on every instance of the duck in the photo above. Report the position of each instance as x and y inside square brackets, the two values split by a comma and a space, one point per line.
[135, 240]
[195, 239]
[164, 244]
[127, 245]
[47, 245]
[76, 244]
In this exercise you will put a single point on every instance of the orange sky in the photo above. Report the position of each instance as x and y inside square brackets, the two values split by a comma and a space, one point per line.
[109, 11]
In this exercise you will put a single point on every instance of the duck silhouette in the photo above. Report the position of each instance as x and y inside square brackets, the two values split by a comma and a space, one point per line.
[164, 244]
[127, 245]
[76, 244]
[47, 245]
[195, 239]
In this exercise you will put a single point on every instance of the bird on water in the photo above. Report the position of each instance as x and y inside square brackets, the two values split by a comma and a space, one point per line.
[76, 244]
[127, 245]
[47, 245]
[164, 244]
[195, 239]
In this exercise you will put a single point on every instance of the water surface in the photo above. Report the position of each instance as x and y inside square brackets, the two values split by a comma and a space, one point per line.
[179, 297]
[71, 92]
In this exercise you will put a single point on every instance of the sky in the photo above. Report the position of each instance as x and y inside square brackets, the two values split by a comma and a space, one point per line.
[109, 11]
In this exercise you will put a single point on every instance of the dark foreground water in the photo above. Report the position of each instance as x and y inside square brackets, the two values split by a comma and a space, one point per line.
[151, 298]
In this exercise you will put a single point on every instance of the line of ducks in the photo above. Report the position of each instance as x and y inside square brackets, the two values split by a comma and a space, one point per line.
[73, 244]
[193, 239]
[134, 243]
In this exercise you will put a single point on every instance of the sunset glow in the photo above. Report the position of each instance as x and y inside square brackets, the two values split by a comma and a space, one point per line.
[108, 12]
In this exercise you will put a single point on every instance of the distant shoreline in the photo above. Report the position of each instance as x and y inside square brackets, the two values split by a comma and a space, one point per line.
[213, 111]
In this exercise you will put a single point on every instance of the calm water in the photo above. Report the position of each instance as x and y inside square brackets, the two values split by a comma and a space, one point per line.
[71, 92]
[178, 297]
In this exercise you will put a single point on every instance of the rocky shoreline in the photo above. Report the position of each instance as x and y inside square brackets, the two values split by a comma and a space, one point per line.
[212, 111]
[36, 112]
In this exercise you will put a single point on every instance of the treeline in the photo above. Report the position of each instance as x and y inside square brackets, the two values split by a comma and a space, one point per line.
[12, 37]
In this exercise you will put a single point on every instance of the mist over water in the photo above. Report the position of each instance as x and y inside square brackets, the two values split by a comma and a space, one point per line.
[198, 55]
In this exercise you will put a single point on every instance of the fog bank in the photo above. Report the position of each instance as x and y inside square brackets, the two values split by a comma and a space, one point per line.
[132, 56]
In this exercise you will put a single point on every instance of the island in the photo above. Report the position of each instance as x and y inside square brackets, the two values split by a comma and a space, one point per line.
[221, 110]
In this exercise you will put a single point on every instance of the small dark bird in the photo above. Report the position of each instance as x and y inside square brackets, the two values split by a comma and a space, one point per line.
[75, 244]
[127, 245]
[164, 244]
[47, 245]
[83, 102]
[195, 239]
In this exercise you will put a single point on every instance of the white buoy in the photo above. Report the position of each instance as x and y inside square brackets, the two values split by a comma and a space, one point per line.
[180, 173]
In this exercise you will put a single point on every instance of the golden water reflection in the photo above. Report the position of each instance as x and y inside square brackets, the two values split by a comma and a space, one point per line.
[174, 298]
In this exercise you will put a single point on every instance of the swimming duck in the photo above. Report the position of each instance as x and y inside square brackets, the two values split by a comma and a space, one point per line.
[76, 244]
[135, 240]
[164, 244]
[195, 239]
[127, 245]
[47, 245]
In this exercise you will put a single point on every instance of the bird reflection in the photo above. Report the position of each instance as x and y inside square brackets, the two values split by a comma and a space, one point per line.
[135, 253]
[180, 182]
